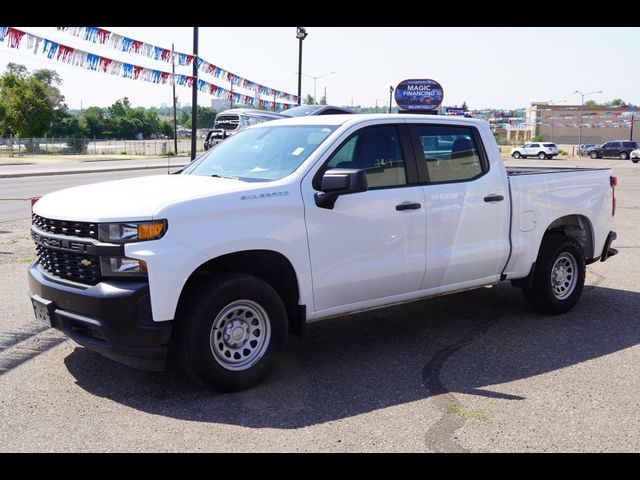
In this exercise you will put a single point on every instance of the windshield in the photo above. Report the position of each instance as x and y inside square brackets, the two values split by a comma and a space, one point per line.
[302, 110]
[261, 153]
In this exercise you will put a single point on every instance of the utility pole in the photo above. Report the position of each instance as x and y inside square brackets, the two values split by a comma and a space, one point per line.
[175, 122]
[194, 98]
[390, 92]
[231, 95]
[631, 133]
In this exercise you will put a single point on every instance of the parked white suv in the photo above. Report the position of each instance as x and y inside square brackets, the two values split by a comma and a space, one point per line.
[635, 155]
[536, 149]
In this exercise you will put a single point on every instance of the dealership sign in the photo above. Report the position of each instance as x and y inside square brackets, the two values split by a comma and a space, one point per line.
[422, 94]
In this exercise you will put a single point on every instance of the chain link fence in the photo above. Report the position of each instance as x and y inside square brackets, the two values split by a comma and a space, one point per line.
[18, 147]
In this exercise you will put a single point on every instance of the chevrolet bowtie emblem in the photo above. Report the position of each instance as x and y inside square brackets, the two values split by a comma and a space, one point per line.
[85, 263]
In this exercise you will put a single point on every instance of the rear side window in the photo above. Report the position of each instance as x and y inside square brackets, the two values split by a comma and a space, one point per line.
[614, 145]
[549, 145]
[450, 153]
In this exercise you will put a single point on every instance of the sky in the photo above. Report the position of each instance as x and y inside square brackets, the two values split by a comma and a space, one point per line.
[488, 67]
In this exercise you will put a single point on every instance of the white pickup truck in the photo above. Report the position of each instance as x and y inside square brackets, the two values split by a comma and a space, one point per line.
[297, 220]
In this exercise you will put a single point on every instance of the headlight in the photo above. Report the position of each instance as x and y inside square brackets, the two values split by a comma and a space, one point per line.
[122, 267]
[131, 231]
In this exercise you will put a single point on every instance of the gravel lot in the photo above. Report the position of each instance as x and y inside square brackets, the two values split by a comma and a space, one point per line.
[475, 371]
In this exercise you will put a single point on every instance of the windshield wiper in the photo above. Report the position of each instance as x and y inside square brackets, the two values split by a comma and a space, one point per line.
[215, 175]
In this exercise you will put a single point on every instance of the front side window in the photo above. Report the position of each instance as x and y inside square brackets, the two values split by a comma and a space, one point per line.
[261, 153]
[451, 153]
[628, 144]
[535, 145]
[377, 151]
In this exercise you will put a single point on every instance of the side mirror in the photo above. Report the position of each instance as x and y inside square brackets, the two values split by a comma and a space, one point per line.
[340, 181]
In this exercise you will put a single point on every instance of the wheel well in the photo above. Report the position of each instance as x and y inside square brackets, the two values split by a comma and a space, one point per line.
[272, 267]
[577, 227]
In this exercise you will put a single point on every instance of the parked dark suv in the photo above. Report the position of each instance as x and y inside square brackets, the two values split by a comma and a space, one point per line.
[621, 149]
[231, 121]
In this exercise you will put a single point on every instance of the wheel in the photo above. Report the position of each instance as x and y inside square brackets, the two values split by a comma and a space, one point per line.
[635, 161]
[549, 157]
[542, 155]
[230, 331]
[623, 155]
[516, 155]
[559, 276]
[593, 155]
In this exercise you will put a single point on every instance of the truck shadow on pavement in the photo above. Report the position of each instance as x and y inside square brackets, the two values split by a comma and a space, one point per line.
[470, 343]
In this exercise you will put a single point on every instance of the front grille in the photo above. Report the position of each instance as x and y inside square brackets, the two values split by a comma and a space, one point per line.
[69, 265]
[63, 227]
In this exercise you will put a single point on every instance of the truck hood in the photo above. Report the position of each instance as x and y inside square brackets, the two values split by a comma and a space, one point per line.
[131, 199]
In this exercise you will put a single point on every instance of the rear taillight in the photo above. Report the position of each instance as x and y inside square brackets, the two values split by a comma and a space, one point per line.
[33, 202]
[613, 181]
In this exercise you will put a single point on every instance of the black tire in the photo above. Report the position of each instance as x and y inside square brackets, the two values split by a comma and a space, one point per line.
[635, 161]
[593, 155]
[549, 157]
[516, 155]
[623, 156]
[195, 342]
[542, 155]
[544, 297]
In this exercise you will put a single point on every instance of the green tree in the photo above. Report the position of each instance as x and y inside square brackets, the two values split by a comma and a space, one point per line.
[166, 128]
[617, 102]
[93, 122]
[591, 103]
[323, 100]
[206, 117]
[309, 100]
[465, 108]
[29, 103]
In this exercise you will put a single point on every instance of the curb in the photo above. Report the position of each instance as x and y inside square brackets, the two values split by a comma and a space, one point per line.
[71, 172]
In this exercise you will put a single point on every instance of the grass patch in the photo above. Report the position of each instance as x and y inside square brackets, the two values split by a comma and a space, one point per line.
[25, 260]
[456, 409]
[10, 242]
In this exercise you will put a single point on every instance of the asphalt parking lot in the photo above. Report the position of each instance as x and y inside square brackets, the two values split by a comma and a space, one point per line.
[470, 372]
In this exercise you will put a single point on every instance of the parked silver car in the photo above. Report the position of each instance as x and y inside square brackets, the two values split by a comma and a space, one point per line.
[541, 150]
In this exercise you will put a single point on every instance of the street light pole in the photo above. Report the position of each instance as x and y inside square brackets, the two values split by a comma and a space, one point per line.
[390, 92]
[194, 96]
[581, 110]
[301, 34]
[315, 99]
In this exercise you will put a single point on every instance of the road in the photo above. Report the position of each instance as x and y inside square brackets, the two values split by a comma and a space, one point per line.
[474, 371]
[16, 192]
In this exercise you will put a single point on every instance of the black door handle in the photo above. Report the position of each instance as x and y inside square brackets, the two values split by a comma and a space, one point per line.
[408, 206]
[494, 198]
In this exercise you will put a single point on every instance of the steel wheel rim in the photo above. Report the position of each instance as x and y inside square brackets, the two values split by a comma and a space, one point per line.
[564, 276]
[240, 335]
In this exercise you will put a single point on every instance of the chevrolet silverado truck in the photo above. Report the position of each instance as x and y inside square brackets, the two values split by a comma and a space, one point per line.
[297, 220]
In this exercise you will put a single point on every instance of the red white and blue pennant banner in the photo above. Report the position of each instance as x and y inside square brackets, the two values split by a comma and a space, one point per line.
[89, 61]
[129, 45]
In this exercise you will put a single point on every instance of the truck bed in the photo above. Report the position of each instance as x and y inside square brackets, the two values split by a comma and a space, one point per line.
[512, 171]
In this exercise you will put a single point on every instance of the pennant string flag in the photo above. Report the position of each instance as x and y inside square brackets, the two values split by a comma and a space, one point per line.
[128, 45]
[89, 61]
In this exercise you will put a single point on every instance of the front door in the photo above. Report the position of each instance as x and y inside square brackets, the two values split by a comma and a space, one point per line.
[371, 244]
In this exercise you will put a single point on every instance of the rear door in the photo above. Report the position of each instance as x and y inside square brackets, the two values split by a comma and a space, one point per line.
[467, 205]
